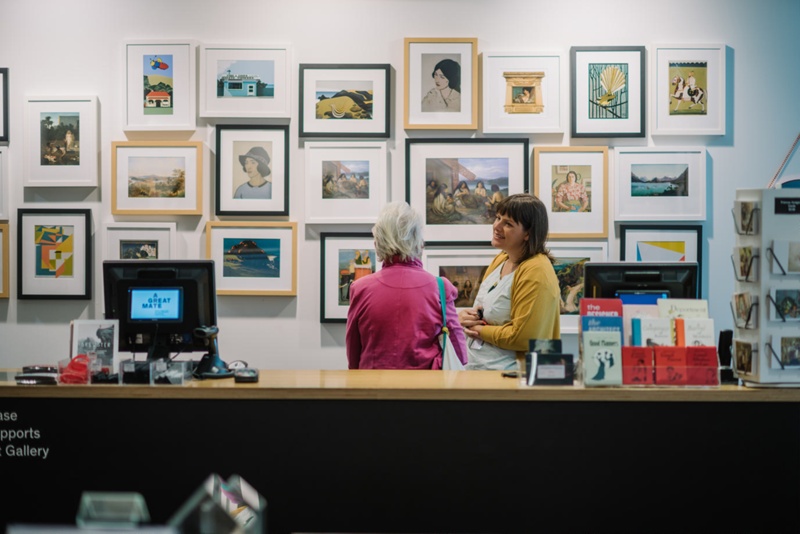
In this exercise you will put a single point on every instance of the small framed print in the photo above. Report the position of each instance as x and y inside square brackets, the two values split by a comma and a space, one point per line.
[571, 257]
[61, 147]
[689, 88]
[54, 254]
[156, 177]
[345, 182]
[608, 91]
[464, 264]
[345, 100]
[140, 241]
[455, 184]
[4, 239]
[785, 351]
[522, 92]
[160, 85]
[661, 184]
[345, 258]
[573, 183]
[243, 81]
[4, 105]
[441, 91]
[4, 192]
[252, 170]
[253, 258]
[99, 337]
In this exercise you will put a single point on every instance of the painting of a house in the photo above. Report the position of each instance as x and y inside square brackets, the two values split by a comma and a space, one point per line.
[158, 99]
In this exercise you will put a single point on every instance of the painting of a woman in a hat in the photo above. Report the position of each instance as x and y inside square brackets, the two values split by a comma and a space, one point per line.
[256, 165]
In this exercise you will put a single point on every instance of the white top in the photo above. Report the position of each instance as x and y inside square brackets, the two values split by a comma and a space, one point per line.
[494, 296]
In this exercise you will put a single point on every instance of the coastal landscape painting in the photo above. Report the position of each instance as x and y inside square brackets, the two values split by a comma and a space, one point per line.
[251, 258]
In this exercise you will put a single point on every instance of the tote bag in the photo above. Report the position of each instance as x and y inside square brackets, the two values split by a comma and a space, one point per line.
[450, 361]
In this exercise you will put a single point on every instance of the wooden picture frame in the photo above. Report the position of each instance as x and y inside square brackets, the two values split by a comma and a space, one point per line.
[140, 241]
[5, 292]
[427, 107]
[245, 81]
[4, 191]
[345, 100]
[608, 91]
[571, 256]
[4, 105]
[660, 184]
[61, 141]
[266, 148]
[464, 264]
[522, 92]
[167, 100]
[253, 258]
[156, 177]
[342, 263]
[345, 182]
[579, 211]
[435, 168]
[54, 254]
[674, 70]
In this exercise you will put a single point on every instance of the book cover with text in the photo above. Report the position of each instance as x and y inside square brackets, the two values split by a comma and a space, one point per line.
[652, 331]
[637, 366]
[596, 307]
[702, 366]
[682, 308]
[602, 358]
[629, 311]
[670, 363]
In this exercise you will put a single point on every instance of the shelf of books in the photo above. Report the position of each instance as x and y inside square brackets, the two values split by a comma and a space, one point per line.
[766, 297]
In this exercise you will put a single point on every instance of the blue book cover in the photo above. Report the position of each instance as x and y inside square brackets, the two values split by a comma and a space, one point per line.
[594, 323]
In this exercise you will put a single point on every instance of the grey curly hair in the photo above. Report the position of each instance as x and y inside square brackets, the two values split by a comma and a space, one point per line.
[398, 232]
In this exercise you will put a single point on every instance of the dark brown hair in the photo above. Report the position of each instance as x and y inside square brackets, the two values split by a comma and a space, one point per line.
[529, 212]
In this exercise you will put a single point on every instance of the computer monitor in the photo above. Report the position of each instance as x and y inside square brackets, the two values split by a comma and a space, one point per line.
[161, 304]
[640, 282]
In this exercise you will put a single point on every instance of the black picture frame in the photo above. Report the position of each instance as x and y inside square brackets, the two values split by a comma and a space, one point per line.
[4, 102]
[332, 286]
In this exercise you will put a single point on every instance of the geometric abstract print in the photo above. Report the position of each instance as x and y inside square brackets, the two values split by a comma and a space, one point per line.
[54, 251]
[661, 251]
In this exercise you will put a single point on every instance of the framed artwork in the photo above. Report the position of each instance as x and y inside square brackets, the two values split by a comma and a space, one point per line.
[156, 177]
[4, 183]
[666, 183]
[244, 81]
[441, 91]
[689, 89]
[345, 257]
[4, 105]
[252, 170]
[160, 85]
[345, 182]
[573, 183]
[464, 264]
[97, 336]
[61, 139]
[345, 100]
[571, 257]
[4, 239]
[608, 91]
[54, 254]
[522, 92]
[663, 243]
[253, 258]
[140, 241]
[456, 183]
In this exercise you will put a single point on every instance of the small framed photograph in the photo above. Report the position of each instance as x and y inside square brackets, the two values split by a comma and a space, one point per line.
[786, 350]
[253, 258]
[441, 91]
[663, 243]
[245, 81]
[4, 105]
[160, 85]
[608, 91]
[464, 264]
[140, 241]
[54, 254]
[661, 184]
[99, 337]
[4, 191]
[571, 257]
[345, 258]
[573, 184]
[522, 92]
[689, 89]
[4, 240]
[156, 177]
[252, 170]
[61, 147]
[345, 100]
[345, 182]
[455, 184]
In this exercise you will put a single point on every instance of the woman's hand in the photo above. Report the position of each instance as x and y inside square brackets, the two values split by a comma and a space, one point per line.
[472, 321]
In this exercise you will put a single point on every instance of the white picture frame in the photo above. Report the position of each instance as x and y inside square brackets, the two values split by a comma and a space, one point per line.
[4, 203]
[270, 65]
[4, 261]
[98, 336]
[459, 263]
[61, 141]
[575, 253]
[670, 184]
[349, 201]
[168, 112]
[140, 241]
[670, 60]
[505, 77]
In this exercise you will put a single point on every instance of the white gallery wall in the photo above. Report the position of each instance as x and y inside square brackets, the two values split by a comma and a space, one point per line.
[76, 48]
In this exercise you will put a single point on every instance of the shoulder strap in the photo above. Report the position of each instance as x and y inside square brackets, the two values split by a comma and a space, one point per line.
[442, 300]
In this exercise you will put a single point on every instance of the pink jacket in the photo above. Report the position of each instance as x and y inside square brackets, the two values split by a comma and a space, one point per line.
[395, 319]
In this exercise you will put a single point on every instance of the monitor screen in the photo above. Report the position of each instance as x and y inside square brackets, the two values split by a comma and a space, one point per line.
[156, 303]
[640, 282]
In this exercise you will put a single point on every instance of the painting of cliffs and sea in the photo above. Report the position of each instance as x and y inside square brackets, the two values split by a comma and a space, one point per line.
[251, 258]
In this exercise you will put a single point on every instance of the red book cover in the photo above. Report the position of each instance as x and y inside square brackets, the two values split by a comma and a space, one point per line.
[600, 307]
[670, 365]
[637, 366]
[702, 366]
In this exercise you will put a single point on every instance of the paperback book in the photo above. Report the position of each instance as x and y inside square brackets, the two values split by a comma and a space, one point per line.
[694, 332]
[637, 366]
[629, 311]
[602, 358]
[651, 331]
[702, 366]
[670, 364]
[682, 308]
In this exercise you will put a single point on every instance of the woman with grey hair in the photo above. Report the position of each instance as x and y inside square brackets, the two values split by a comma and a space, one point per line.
[395, 315]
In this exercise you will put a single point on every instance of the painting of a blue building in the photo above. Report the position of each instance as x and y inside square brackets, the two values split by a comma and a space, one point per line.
[245, 78]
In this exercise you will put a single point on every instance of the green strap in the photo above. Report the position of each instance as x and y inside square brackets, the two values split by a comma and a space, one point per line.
[443, 300]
